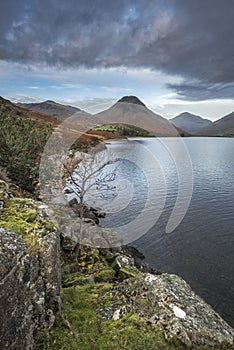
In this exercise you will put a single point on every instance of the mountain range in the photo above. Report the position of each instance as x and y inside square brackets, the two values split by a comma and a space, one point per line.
[14, 110]
[54, 109]
[129, 110]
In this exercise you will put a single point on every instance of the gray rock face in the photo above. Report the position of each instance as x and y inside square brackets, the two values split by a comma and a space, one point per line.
[169, 302]
[92, 235]
[29, 288]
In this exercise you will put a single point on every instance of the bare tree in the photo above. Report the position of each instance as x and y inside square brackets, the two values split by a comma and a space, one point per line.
[93, 176]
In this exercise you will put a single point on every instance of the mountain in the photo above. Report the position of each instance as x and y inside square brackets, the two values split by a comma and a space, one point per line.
[13, 110]
[190, 122]
[131, 111]
[221, 127]
[54, 109]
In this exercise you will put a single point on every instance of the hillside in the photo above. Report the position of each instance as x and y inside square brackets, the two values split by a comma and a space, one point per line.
[13, 110]
[23, 135]
[54, 109]
[221, 127]
[190, 122]
[130, 111]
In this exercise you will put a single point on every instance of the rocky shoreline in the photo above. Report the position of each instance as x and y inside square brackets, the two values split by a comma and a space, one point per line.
[159, 298]
[102, 298]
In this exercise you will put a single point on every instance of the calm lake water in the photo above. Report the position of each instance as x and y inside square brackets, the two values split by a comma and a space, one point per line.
[201, 248]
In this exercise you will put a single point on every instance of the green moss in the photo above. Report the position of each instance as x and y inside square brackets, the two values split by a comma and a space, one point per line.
[79, 327]
[106, 274]
[127, 272]
[20, 216]
[107, 298]
[78, 269]
[132, 332]
[74, 279]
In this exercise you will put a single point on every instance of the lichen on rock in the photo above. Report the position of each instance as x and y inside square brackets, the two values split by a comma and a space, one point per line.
[29, 270]
[29, 289]
[168, 301]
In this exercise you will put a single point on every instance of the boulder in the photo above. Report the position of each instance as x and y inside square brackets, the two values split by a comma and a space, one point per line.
[168, 302]
[29, 288]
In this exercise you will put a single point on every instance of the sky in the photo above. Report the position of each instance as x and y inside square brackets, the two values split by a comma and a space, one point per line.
[175, 55]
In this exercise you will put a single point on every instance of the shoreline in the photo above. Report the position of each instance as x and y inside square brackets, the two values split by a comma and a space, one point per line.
[94, 294]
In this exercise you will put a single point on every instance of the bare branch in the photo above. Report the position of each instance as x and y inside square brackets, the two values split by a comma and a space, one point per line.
[88, 174]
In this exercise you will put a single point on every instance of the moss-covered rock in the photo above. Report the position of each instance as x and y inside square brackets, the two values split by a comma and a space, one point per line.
[20, 215]
[76, 278]
[169, 303]
[106, 274]
[24, 217]
[124, 267]
[127, 272]
[86, 266]
[79, 326]
[29, 288]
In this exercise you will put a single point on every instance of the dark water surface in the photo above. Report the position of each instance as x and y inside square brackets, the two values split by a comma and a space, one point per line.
[201, 248]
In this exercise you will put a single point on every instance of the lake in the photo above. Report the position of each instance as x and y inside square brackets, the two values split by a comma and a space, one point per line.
[201, 248]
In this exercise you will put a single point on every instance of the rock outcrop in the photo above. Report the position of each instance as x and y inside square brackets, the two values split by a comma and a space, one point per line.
[29, 270]
[162, 300]
[29, 289]
[168, 301]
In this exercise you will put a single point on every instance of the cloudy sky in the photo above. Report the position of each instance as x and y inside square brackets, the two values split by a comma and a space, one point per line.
[175, 55]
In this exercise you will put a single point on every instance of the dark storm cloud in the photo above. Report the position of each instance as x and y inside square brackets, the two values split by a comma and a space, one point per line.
[193, 39]
[203, 91]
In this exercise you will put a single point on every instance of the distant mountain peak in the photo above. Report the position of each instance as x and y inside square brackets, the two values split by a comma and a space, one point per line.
[132, 99]
[49, 101]
[189, 115]
[190, 122]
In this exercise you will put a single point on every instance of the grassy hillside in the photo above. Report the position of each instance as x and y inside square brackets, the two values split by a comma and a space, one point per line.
[9, 108]
[23, 135]
[124, 130]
